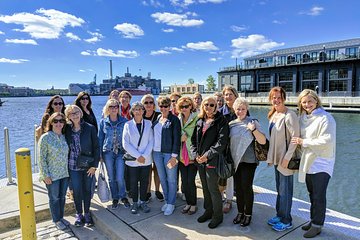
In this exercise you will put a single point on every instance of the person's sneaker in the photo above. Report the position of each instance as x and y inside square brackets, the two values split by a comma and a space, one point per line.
[159, 196]
[273, 221]
[134, 208]
[65, 222]
[148, 197]
[115, 204]
[88, 220]
[282, 226]
[60, 225]
[163, 208]
[169, 209]
[79, 220]
[145, 208]
[126, 203]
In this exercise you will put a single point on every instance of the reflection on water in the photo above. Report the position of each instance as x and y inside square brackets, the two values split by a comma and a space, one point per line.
[20, 114]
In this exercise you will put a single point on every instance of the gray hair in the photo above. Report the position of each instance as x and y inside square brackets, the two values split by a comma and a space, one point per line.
[135, 105]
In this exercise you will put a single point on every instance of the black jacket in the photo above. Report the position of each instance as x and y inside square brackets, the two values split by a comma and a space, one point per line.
[214, 140]
[89, 141]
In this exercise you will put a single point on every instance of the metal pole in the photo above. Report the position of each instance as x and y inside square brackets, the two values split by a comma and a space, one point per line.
[7, 156]
[35, 169]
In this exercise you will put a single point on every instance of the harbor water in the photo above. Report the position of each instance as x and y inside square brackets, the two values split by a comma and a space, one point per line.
[20, 115]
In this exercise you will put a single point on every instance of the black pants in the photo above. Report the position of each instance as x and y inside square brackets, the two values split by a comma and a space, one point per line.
[212, 197]
[316, 185]
[136, 175]
[244, 178]
[188, 174]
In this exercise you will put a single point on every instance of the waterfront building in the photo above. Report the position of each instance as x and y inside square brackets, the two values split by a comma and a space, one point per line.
[331, 68]
[6, 90]
[187, 88]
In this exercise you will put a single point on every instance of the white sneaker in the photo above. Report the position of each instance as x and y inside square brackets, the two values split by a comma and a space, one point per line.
[163, 208]
[169, 209]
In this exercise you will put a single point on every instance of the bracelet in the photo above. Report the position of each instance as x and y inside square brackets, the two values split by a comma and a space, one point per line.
[253, 130]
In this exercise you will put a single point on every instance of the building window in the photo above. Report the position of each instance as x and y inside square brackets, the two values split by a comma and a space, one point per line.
[282, 60]
[287, 76]
[290, 59]
[298, 58]
[288, 87]
[332, 54]
[310, 75]
[306, 57]
[188, 89]
[338, 85]
[338, 73]
[246, 83]
[264, 78]
[314, 56]
[264, 87]
[309, 84]
[350, 52]
[194, 89]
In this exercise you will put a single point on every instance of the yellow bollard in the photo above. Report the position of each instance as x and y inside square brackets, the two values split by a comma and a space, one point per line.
[26, 193]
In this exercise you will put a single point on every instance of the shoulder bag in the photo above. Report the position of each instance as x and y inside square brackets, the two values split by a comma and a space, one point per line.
[261, 150]
[84, 161]
[127, 156]
[225, 165]
[294, 162]
[103, 187]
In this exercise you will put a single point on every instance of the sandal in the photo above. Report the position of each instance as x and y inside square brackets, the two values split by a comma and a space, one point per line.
[227, 206]
[185, 209]
[192, 210]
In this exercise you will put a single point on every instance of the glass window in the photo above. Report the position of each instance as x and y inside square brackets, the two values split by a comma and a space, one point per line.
[246, 83]
[309, 84]
[264, 77]
[306, 57]
[287, 76]
[298, 58]
[288, 87]
[350, 52]
[311, 75]
[264, 87]
[338, 73]
[314, 56]
[338, 85]
[332, 54]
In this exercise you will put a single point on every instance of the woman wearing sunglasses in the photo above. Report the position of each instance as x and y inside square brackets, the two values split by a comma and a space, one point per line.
[53, 165]
[167, 132]
[83, 101]
[148, 101]
[188, 169]
[210, 138]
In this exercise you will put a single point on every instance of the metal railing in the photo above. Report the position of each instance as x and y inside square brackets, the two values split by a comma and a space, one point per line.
[7, 157]
[36, 157]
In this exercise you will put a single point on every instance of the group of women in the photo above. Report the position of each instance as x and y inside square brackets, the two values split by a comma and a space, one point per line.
[190, 135]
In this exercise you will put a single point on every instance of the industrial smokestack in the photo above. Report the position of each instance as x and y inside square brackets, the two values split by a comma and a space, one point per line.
[111, 75]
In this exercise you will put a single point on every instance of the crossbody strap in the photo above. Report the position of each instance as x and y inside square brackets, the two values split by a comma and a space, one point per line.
[142, 132]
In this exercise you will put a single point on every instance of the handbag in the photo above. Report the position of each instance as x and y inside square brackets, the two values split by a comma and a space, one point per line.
[84, 161]
[103, 187]
[294, 163]
[127, 156]
[225, 165]
[261, 150]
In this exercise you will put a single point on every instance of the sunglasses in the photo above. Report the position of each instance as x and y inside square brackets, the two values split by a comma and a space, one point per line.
[114, 107]
[163, 106]
[149, 102]
[184, 106]
[209, 105]
[75, 113]
[85, 98]
[58, 103]
[58, 121]
[173, 100]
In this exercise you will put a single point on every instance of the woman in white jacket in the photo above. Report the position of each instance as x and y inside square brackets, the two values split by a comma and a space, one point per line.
[138, 141]
[318, 143]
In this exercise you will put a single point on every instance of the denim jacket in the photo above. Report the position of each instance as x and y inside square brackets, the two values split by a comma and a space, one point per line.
[106, 131]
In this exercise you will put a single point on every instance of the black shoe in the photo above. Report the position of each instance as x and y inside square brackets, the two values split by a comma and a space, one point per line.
[115, 203]
[148, 197]
[306, 227]
[246, 221]
[126, 203]
[204, 217]
[88, 220]
[214, 223]
[159, 196]
[313, 232]
[239, 218]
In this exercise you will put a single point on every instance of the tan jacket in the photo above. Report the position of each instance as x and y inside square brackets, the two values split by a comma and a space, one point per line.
[277, 149]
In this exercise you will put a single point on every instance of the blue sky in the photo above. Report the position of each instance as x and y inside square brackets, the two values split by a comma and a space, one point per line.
[46, 43]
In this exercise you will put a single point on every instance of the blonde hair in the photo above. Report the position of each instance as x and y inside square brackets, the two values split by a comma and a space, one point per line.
[164, 100]
[70, 108]
[197, 94]
[271, 95]
[202, 113]
[109, 102]
[175, 94]
[232, 89]
[135, 105]
[311, 93]
[186, 100]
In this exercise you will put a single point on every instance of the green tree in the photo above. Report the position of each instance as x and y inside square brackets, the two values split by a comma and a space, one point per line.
[210, 83]
[191, 81]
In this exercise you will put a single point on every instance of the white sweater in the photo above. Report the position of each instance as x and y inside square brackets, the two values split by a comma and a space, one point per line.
[130, 141]
[318, 131]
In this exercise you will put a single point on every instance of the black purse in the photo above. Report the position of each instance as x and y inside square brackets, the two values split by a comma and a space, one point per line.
[225, 165]
[127, 156]
[261, 150]
[294, 163]
[84, 161]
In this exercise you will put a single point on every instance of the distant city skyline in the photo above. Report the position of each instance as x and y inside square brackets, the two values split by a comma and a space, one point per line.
[55, 43]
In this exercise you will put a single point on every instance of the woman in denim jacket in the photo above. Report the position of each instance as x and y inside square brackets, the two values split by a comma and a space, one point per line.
[110, 141]
[167, 132]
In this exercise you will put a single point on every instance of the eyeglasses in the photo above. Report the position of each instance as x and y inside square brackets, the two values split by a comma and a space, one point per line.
[184, 106]
[75, 113]
[151, 102]
[163, 106]
[173, 100]
[114, 107]
[85, 98]
[209, 105]
[58, 121]
[58, 103]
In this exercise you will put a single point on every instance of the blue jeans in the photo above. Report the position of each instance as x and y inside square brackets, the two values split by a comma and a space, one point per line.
[284, 188]
[115, 167]
[81, 183]
[57, 193]
[168, 177]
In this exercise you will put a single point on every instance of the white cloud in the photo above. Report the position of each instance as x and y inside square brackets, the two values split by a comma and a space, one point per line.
[72, 36]
[159, 52]
[277, 22]
[168, 30]
[185, 3]
[96, 37]
[119, 53]
[178, 20]
[2, 33]
[252, 45]
[175, 49]
[81, 70]
[238, 28]
[152, 3]
[45, 23]
[92, 40]
[129, 30]
[16, 61]
[21, 41]
[204, 46]
[86, 53]
[314, 11]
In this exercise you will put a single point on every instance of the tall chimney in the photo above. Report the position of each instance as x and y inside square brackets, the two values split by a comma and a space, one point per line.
[111, 75]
